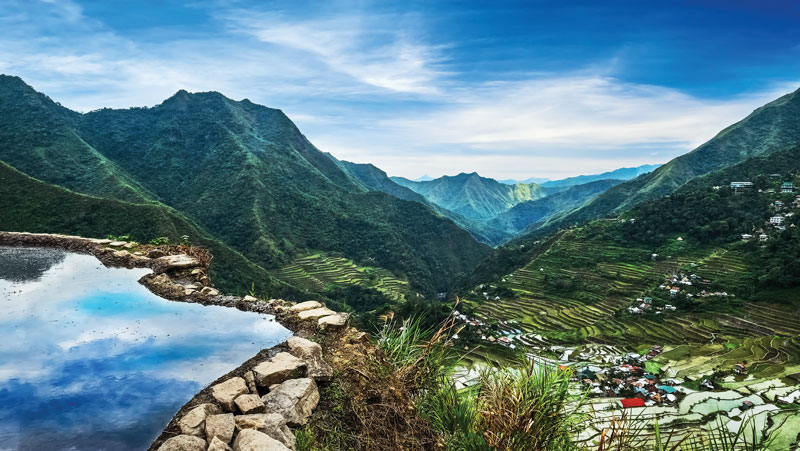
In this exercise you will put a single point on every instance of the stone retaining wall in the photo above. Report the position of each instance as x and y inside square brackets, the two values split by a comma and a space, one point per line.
[253, 407]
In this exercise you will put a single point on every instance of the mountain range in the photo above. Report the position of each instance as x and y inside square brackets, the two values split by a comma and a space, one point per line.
[242, 179]
[239, 173]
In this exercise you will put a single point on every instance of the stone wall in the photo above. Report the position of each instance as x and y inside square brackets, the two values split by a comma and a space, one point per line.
[253, 407]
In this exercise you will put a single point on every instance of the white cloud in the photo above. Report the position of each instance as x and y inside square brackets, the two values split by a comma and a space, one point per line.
[551, 126]
[371, 50]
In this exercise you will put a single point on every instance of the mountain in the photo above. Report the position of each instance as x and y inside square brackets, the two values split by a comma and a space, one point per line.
[35, 206]
[529, 213]
[770, 128]
[539, 180]
[241, 171]
[617, 174]
[473, 196]
[424, 178]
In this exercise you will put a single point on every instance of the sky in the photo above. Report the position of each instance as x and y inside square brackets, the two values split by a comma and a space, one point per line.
[508, 89]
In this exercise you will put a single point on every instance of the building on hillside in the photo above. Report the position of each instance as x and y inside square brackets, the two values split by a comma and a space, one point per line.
[775, 176]
[779, 203]
[776, 220]
[740, 187]
[740, 368]
[763, 237]
[787, 187]
[746, 236]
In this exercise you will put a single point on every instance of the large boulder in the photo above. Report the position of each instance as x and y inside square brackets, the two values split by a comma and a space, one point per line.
[252, 440]
[193, 423]
[311, 353]
[218, 445]
[303, 306]
[294, 399]
[315, 313]
[278, 369]
[336, 321]
[225, 392]
[271, 424]
[249, 403]
[220, 426]
[183, 443]
[171, 262]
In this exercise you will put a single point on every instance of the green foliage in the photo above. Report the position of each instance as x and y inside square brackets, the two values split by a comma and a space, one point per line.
[160, 241]
[126, 237]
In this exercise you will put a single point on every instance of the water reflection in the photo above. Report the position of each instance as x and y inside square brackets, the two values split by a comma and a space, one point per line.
[27, 264]
[92, 360]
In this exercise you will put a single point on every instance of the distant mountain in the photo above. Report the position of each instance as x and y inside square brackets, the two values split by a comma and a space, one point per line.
[424, 178]
[539, 180]
[770, 128]
[473, 196]
[241, 171]
[617, 174]
[529, 213]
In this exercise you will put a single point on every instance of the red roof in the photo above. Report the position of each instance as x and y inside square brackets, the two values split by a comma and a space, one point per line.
[632, 402]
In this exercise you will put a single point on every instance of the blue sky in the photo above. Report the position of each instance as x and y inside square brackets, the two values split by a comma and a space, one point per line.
[508, 89]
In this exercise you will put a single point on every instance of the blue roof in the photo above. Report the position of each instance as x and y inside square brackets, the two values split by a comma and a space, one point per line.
[666, 388]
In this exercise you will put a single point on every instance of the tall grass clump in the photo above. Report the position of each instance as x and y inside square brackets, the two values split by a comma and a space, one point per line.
[422, 357]
[528, 408]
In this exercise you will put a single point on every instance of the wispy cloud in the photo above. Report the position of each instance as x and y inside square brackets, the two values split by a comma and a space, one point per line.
[370, 49]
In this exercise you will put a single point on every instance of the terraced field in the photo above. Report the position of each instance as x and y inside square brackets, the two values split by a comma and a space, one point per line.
[315, 272]
[574, 291]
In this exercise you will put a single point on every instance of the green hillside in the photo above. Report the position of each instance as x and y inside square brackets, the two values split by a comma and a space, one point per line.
[577, 285]
[244, 173]
[37, 137]
[473, 196]
[30, 205]
[770, 128]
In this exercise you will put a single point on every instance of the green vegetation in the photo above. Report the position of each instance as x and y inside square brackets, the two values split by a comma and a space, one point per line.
[241, 172]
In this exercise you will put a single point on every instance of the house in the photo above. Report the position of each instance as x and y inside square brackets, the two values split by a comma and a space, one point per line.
[787, 187]
[779, 203]
[666, 389]
[632, 402]
[740, 368]
[775, 176]
[674, 290]
[679, 239]
[746, 236]
[776, 220]
[763, 237]
[747, 405]
[740, 187]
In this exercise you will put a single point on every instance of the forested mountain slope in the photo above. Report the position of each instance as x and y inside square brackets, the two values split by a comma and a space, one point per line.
[242, 171]
[770, 128]
[473, 196]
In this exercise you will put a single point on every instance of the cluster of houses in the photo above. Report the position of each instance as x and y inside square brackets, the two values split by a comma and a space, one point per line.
[629, 379]
[505, 338]
[645, 305]
[778, 219]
